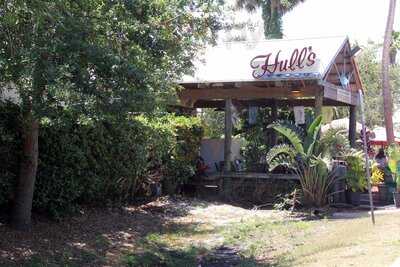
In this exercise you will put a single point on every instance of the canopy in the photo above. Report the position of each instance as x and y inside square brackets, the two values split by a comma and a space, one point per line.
[282, 72]
[231, 61]
[380, 137]
[340, 124]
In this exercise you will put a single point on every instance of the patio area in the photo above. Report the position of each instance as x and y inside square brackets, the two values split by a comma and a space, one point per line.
[295, 74]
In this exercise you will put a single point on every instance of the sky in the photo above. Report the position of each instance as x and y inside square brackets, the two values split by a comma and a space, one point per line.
[359, 19]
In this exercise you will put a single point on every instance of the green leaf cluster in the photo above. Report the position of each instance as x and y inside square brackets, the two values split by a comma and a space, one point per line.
[98, 56]
[355, 175]
[99, 161]
[370, 72]
[301, 154]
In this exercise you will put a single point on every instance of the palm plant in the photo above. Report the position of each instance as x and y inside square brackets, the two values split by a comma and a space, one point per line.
[301, 155]
[272, 13]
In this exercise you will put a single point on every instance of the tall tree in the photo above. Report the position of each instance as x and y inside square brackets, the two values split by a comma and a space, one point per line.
[272, 13]
[95, 57]
[386, 91]
[371, 75]
[394, 47]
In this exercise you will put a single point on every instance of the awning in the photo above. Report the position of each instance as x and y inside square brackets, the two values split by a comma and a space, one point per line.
[380, 137]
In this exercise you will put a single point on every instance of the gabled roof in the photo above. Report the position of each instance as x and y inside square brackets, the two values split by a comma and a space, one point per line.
[231, 62]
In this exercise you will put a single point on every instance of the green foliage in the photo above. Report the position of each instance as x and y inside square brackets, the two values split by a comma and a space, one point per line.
[334, 143]
[355, 176]
[377, 175]
[393, 152]
[100, 161]
[9, 150]
[291, 132]
[182, 162]
[100, 57]
[259, 138]
[272, 13]
[370, 72]
[214, 123]
[301, 155]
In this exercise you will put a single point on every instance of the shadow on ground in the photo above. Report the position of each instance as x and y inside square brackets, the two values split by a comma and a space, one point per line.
[96, 237]
[131, 236]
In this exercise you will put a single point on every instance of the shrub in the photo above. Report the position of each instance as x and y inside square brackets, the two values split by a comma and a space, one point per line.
[301, 156]
[355, 175]
[100, 161]
[334, 143]
[9, 150]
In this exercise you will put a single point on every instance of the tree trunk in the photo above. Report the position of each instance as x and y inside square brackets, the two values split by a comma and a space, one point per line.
[352, 126]
[21, 214]
[386, 91]
[228, 135]
[274, 117]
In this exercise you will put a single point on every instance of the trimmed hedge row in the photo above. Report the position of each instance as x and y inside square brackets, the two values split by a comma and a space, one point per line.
[100, 162]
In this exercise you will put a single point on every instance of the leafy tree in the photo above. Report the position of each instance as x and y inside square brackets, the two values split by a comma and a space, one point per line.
[371, 76]
[272, 13]
[394, 47]
[214, 122]
[94, 57]
[386, 91]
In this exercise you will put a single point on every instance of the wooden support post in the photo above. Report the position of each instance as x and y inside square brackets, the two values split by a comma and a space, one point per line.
[319, 100]
[274, 117]
[228, 135]
[352, 125]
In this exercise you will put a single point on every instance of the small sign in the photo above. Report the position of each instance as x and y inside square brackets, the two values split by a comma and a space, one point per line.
[343, 96]
[301, 62]
[252, 115]
[299, 115]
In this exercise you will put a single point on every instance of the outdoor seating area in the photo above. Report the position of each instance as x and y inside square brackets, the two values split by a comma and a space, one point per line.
[206, 133]
[292, 74]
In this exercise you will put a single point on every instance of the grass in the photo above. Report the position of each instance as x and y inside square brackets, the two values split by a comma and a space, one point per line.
[151, 237]
[349, 242]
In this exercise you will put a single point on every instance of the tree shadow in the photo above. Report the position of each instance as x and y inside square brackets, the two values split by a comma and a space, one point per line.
[96, 237]
[159, 255]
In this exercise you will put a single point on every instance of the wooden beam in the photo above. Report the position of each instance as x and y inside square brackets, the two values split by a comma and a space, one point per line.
[319, 102]
[352, 126]
[228, 135]
[310, 102]
[339, 94]
[274, 117]
[243, 93]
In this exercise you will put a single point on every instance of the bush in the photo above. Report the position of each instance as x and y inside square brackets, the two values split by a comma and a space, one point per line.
[102, 162]
[9, 150]
[355, 176]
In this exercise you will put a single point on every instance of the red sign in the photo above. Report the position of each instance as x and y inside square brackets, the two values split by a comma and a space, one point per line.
[264, 64]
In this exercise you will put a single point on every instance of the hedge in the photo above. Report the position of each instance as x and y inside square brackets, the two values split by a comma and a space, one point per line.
[99, 162]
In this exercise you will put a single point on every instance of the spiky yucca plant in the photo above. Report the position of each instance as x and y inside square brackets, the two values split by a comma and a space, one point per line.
[301, 155]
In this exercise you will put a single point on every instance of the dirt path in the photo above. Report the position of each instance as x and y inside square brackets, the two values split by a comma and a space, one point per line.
[190, 232]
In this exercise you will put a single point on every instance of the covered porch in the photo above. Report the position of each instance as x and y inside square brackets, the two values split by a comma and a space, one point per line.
[278, 73]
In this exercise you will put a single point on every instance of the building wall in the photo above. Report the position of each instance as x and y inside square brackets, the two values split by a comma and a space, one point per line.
[212, 151]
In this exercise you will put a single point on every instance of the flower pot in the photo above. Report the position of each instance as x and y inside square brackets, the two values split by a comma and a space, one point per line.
[383, 193]
[353, 198]
[396, 198]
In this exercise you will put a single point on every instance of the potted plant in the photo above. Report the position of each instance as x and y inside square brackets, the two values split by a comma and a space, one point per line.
[396, 194]
[355, 176]
[378, 187]
[301, 156]
[393, 152]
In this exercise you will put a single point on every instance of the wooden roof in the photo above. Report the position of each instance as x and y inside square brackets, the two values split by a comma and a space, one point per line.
[287, 72]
